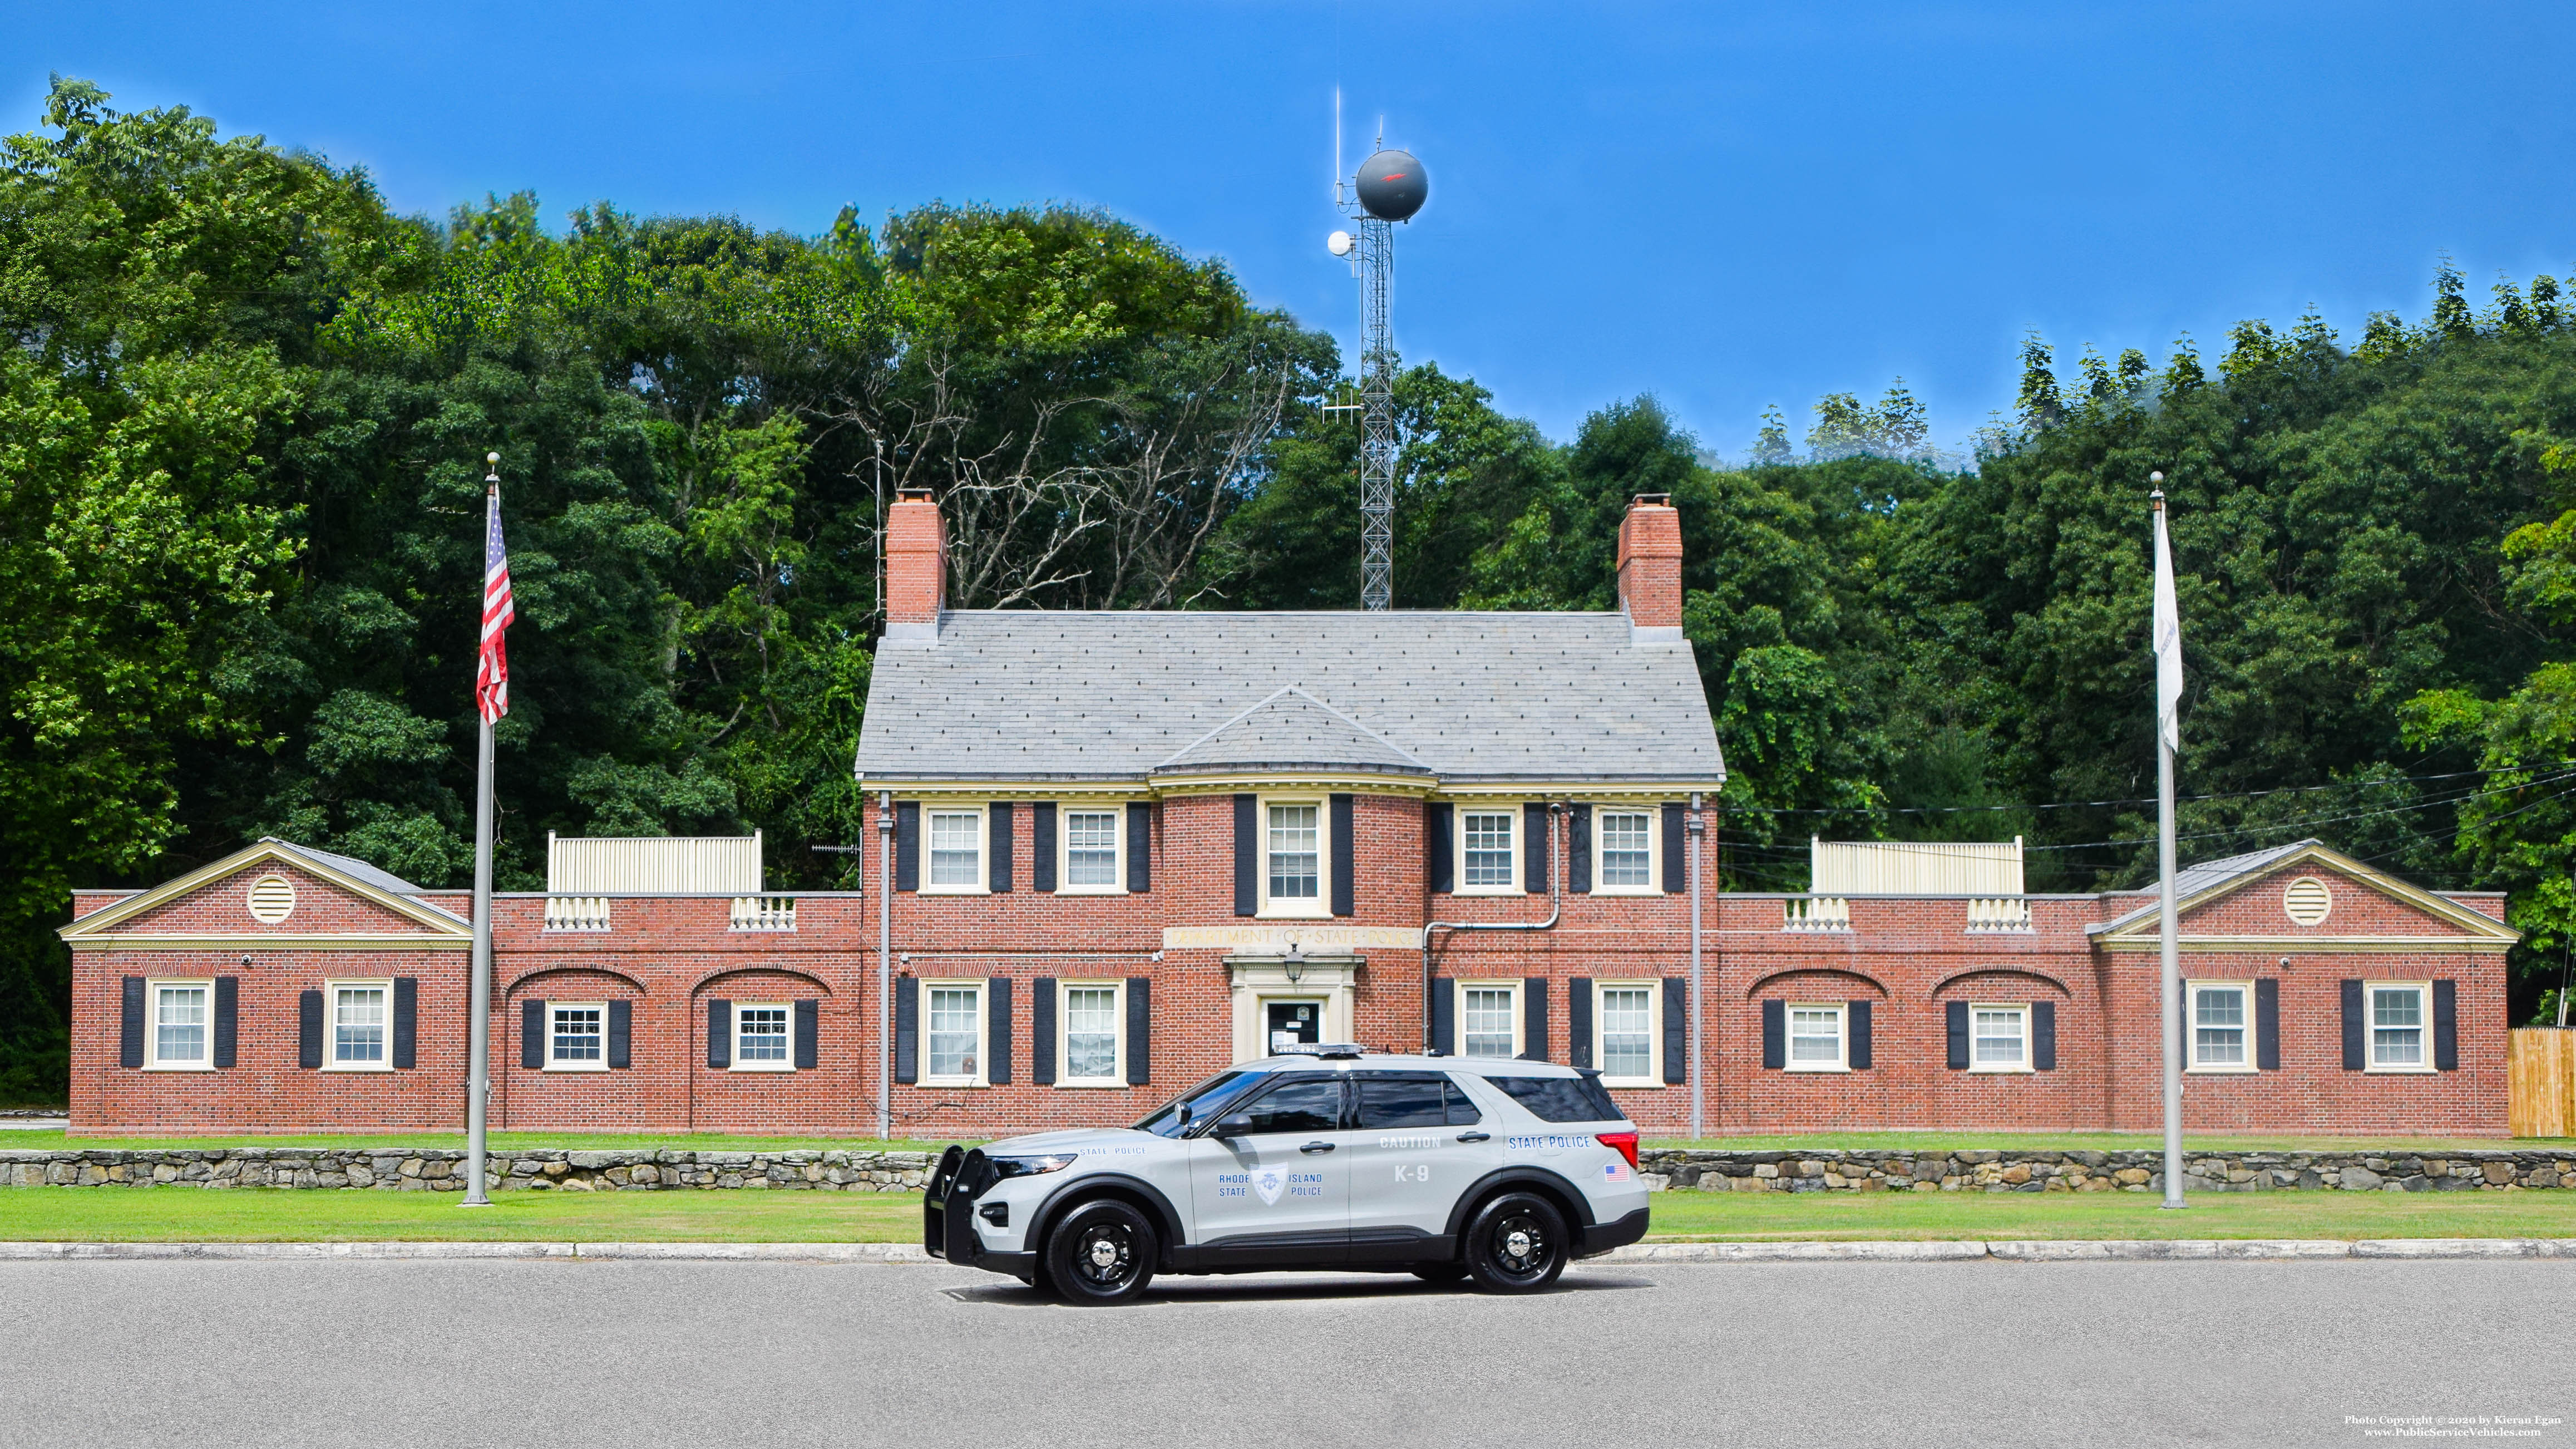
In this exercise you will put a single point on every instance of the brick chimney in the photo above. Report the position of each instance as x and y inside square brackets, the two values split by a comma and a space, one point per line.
[1650, 563]
[916, 565]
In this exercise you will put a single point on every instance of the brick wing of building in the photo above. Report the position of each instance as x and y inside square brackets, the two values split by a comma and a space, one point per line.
[1108, 853]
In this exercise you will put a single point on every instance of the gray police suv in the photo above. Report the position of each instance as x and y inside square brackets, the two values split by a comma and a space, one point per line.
[1448, 1168]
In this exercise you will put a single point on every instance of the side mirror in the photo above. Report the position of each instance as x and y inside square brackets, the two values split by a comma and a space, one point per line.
[1238, 1125]
[1183, 1108]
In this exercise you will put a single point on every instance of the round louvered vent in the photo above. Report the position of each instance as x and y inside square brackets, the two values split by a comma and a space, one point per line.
[2307, 900]
[272, 899]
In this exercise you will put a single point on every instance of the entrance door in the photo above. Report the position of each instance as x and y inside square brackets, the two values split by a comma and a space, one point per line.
[1277, 1190]
[1287, 1023]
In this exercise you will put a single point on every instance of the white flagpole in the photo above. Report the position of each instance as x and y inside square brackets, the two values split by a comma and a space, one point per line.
[478, 1047]
[2168, 653]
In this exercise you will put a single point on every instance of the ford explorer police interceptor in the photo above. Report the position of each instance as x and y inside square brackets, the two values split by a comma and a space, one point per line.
[1447, 1168]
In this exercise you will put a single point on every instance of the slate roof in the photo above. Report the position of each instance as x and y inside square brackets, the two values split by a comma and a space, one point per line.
[347, 865]
[2191, 880]
[1031, 695]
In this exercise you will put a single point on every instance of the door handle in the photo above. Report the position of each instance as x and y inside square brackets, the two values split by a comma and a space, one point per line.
[1316, 1147]
[1475, 1136]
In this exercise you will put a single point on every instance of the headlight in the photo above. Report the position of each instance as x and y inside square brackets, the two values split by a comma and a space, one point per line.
[1006, 1167]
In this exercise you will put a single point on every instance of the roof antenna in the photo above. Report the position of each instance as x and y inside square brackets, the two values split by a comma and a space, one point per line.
[1389, 188]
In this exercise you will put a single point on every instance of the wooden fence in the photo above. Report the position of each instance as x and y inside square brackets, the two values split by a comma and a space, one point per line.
[2543, 1071]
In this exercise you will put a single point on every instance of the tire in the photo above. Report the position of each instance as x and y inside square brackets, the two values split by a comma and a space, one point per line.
[1440, 1272]
[1101, 1252]
[1517, 1244]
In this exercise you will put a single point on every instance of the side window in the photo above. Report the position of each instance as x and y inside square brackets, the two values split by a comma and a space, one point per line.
[1313, 1104]
[1485, 841]
[760, 1037]
[1462, 1112]
[1560, 1099]
[574, 1035]
[1391, 1101]
[953, 1033]
[1489, 1022]
[1624, 850]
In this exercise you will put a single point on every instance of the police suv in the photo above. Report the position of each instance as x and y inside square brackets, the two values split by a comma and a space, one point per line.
[1496, 1171]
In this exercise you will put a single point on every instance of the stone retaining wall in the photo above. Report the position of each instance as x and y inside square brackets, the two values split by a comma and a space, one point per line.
[2360, 1169]
[442, 1169]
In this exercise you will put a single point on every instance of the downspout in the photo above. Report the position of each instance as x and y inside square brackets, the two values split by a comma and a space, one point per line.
[1697, 1065]
[885, 965]
[1555, 908]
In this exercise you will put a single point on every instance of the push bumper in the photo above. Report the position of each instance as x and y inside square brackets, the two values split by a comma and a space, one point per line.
[948, 1216]
[1602, 1237]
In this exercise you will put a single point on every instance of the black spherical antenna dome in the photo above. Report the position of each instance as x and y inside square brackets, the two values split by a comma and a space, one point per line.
[1392, 186]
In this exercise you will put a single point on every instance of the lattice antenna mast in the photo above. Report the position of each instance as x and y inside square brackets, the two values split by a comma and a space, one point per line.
[1389, 188]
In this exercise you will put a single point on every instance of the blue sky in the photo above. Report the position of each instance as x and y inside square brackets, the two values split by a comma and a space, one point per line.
[1725, 205]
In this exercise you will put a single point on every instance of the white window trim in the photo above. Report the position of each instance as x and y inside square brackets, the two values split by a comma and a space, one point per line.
[1654, 885]
[331, 1024]
[152, 1025]
[1518, 1018]
[737, 1064]
[1064, 1076]
[2001, 1068]
[554, 1065]
[2370, 1028]
[983, 885]
[1654, 990]
[1519, 830]
[982, 1075]
[2191, 1030]
[1789, 1036]
[1321, 907]
[1117, 813]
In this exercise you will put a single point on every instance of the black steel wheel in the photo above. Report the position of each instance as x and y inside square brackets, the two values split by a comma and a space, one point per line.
[1101, 1252]
[1517, 1244]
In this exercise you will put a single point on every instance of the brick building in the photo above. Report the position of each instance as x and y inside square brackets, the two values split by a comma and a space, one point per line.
[1108, 853]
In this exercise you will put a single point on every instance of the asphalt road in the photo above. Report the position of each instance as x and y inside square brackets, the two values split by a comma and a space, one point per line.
[1980, 1353]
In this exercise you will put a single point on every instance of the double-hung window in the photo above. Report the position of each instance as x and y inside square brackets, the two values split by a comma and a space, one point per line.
[1999, 1038]
[361, 1012]
[1489, 1020]
[1624, 1017]
[1092, 1014]
[956, 850]
[576, 1036]
[1816, 1041]
[952, 1038]
[760, 1037]
[2220, 1012]
[1090, 850]
[2397, 1019]
[1485, 851]
[1623, 850]
[182, 1025]
[1294, 844]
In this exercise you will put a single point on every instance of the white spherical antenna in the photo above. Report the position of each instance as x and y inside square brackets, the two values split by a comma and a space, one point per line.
[1340, 243]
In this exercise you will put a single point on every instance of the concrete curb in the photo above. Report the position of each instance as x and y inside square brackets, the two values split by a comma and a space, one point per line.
[2057, 1251]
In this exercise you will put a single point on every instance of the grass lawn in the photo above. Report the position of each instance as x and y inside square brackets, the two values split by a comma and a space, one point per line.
[57, 1140]
[183, 1214]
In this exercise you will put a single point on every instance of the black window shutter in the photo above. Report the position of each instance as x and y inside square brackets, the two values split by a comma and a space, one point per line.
[997, 840]
[1676, 868]
[1534, 862]
[406, 1043]
[1042, 846]
[1534, 1018]
[1676, 1031]
[308, 1029]
[1578, 1022]
[997, 1030]
[1345, 862]
[129, 1031]
[1247, 855]
[532, 1035]
[907, 1028]
[1856, 1044]
[1140, 847]
[907, 845]
[719, 1033]
[809, 1034]
[1042, 1031]
[621, 1033]
[2043, 1036]
[2267, 1024]
[2356, 1029]
[228, 1021]
[1958, 1034]
[1439, 855]
[1578, 850]
[1444, 1015]
[2446, 1025]
[1140, 1030]
[1775, 1035]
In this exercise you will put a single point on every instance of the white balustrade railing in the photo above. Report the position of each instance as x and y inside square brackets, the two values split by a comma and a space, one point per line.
[576, 913]
[1816, 913]
[764, 913]
[1998, 913]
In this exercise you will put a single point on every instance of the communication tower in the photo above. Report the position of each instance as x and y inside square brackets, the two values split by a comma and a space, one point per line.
[1388, 188]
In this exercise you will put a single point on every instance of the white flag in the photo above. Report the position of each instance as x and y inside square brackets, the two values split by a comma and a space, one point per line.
[2168, 636]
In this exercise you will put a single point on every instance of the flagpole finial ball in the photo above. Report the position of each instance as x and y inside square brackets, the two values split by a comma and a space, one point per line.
[2156, 478]
[495, 458]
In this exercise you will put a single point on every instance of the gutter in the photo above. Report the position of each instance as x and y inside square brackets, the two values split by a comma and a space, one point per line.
[1555, 908]
[885, 965]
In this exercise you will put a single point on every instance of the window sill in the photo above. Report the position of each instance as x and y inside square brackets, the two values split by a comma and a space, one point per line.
[2228, 1070]
[1093, 1084]
[179, 1067]
[1090, 890]
[357, 1066]
[954, 890]
[1601, 890]
[1489, 890]
[1287, 913]
[1816, 1067]
[2427, 1070]
[575, 1066]
[2016, 1070]
[951, 1084]
[1633, 1084]
[762, 1067]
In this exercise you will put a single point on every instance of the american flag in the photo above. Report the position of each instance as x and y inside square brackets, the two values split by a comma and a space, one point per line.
[492, 663]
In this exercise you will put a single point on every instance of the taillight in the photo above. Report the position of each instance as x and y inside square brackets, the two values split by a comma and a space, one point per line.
[1625, 1142]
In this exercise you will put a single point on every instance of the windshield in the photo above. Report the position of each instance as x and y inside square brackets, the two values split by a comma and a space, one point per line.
[1206, 1099]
